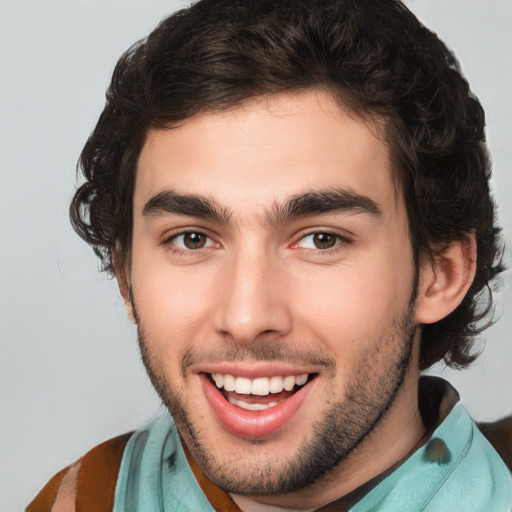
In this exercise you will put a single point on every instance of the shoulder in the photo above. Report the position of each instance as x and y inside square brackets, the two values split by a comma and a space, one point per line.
[477, 479]
[499, 434]
[457, 469]
[88, 484]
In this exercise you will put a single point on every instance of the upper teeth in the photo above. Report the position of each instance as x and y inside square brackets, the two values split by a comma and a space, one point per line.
[261, 386]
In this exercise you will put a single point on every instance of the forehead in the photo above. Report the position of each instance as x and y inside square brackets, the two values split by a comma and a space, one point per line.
[265, 151]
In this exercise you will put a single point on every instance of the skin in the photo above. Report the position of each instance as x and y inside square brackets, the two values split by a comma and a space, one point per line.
[262, 296]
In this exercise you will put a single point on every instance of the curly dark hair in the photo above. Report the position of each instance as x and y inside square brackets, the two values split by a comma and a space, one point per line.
[374, 56]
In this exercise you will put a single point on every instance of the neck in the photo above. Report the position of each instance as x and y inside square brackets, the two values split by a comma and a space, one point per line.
[392, 439]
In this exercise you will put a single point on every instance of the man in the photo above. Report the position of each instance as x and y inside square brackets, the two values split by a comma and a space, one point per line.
[294, 199]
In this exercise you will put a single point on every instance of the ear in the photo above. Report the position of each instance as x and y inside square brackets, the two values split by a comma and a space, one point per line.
[445, 280]
[123, 281]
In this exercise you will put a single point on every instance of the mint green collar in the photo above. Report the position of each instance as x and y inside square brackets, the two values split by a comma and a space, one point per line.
[469, 476]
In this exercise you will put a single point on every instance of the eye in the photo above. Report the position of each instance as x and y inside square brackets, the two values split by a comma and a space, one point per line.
[320, 241]
[191, 241]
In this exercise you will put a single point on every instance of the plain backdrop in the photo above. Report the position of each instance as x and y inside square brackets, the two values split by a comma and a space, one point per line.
[70, 374]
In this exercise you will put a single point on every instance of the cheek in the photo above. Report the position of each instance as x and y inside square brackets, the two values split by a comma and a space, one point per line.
[352, 306]
[171, 304]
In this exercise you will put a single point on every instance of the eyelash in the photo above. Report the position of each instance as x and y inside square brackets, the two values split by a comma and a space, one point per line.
[186, 252]
[341, 243]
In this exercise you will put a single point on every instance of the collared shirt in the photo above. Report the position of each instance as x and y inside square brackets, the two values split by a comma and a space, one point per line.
[454, 468]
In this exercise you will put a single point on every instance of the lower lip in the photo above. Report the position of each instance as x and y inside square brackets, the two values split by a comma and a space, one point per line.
[253, 424]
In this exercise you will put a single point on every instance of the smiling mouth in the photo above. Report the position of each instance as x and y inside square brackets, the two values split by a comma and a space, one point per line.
[260, 393]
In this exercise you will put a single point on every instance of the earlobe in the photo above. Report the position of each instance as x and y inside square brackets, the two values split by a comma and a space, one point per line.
[445, 280]
[123, 281]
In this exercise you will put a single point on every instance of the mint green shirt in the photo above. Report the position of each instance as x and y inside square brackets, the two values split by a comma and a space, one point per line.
[155, 476]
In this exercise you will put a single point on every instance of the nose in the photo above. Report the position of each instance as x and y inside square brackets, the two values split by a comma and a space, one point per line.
[252, 301]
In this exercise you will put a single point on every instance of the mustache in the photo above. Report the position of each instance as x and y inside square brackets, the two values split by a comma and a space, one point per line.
[262, 352]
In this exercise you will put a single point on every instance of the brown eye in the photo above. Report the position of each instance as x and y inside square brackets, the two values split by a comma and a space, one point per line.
[321, 241]
[194, 240]
[324, 240]
[190, 242]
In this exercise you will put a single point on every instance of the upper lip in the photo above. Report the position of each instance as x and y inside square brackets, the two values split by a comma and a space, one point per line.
[252, 370]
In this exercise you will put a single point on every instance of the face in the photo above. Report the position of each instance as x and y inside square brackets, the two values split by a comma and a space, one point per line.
[272, 280]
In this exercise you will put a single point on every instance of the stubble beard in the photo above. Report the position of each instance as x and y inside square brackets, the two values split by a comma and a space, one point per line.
[343, 426]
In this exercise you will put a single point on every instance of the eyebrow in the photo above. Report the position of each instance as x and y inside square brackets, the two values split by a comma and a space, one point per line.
[322, 202]
[170, 202]
[300, 205]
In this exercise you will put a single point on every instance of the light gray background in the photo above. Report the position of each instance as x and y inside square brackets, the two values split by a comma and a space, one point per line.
[70, 375]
